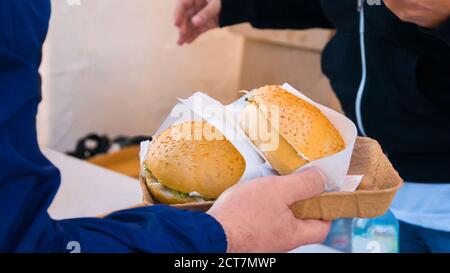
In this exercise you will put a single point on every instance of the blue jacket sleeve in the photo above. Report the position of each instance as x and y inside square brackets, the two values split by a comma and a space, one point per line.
[28, 181]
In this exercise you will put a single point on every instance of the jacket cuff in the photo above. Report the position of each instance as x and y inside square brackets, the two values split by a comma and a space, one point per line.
[214, 232]
[235, 12]
[204, 231]
[442, 32]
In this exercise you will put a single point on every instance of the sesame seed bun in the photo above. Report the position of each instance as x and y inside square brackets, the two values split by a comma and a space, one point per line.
[192, 157]
[305, 134]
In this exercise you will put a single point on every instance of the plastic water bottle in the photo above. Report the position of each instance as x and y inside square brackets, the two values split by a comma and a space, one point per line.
[340, 235]
[378, 235]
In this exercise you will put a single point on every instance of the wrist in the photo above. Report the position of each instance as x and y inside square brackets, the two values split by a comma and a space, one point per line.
[237, 236]
[445, 18]
[440, 23]
[226, 230]
[442, 31]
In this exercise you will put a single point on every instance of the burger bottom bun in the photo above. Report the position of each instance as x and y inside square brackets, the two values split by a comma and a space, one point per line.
[167, 196]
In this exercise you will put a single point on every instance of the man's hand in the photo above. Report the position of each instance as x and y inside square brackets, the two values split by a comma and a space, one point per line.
[425, 13]
[194, 17]
[256, 215]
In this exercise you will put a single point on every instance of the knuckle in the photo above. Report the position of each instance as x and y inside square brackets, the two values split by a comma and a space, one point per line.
[313, 181]
[309, 187]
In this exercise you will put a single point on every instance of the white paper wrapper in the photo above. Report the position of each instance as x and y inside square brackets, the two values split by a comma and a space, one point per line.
[225, 119]
[335, 167]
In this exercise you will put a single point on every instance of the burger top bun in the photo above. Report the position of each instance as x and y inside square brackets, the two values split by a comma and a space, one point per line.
[305, 133]
[195, 157]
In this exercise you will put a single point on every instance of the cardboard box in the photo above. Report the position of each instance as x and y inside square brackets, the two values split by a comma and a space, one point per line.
[279, 56]
[372, 199]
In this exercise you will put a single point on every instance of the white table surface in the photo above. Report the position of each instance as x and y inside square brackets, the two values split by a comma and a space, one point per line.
[87, 190]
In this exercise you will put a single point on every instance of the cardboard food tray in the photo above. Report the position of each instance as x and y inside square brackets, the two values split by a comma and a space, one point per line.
[372, 199]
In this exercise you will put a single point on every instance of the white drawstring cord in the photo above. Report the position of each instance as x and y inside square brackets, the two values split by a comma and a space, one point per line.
[362, 85]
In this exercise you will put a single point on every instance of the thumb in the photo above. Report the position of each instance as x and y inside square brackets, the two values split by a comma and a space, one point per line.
[301, 186]
[203, 16]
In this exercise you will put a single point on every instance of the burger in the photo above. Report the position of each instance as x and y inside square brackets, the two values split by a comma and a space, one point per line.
[191, 162]
[302, 132]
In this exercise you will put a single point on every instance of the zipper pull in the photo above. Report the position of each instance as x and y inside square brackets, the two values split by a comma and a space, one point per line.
[360, 5]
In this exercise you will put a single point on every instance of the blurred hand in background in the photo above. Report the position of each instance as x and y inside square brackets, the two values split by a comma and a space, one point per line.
[425, 13]
[194, 17]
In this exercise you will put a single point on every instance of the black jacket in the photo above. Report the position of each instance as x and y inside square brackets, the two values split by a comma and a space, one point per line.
[406, 103]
